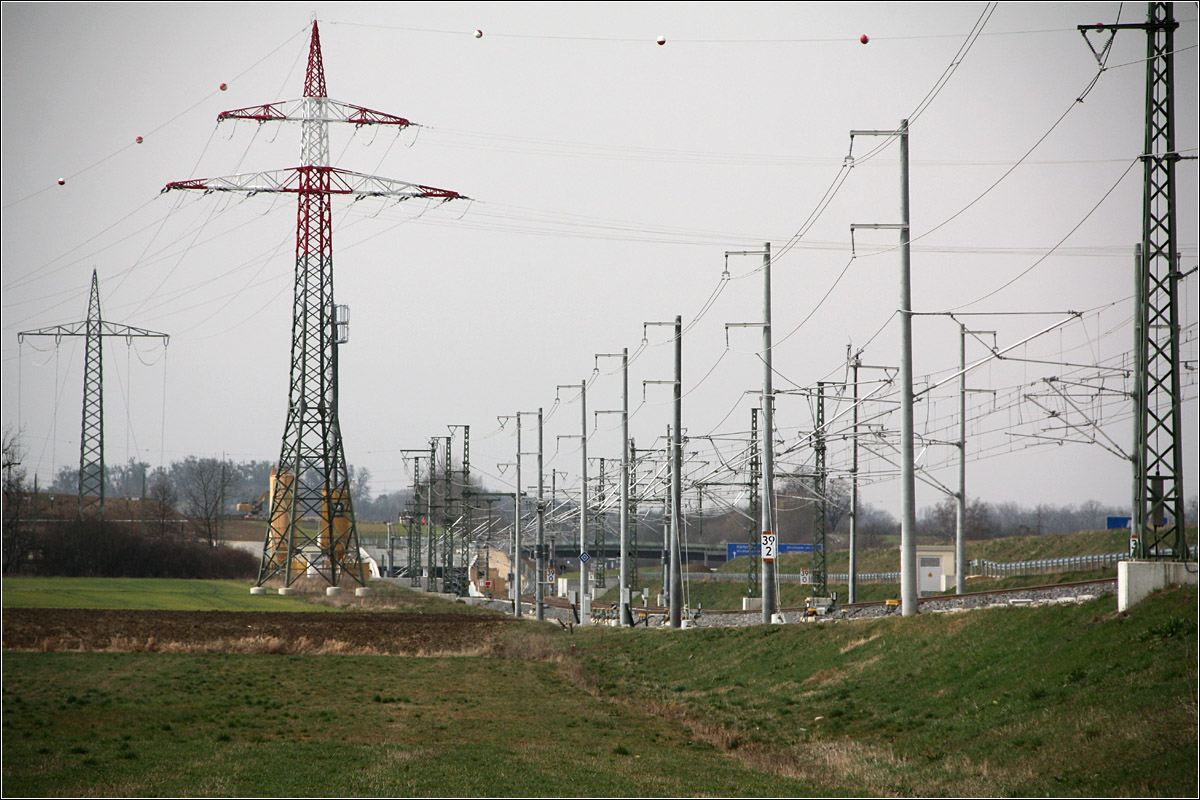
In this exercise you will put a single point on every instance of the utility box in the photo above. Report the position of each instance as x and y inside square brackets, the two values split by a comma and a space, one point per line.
[935, 569]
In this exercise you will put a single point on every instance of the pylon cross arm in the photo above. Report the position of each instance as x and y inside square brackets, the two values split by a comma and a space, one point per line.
[113, 329]
[340, 182]
[81, 329]
[71, 329]
[299, 111]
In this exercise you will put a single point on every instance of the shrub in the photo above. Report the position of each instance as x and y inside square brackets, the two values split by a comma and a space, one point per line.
[94, 548]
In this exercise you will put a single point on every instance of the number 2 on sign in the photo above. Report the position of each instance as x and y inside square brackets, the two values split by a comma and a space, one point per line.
[768, 546]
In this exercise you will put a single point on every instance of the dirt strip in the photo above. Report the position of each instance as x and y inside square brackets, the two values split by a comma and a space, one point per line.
[238, 631]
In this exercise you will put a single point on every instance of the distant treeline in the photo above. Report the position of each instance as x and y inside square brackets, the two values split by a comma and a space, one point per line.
[207, 487]
[204, 489]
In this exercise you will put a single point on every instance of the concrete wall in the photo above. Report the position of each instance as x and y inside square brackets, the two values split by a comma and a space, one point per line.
[1136, 580]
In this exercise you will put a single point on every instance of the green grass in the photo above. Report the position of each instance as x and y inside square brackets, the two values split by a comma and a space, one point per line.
[149, 593]
[126, 724]
[1074, 700]
[172, 594]
[1071, 700]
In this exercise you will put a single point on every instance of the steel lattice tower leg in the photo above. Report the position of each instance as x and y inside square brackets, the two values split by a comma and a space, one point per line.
[1158, 503]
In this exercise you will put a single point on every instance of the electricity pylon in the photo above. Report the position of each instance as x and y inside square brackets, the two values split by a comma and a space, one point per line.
[91, 438]
[1158, 513]
[312, 478]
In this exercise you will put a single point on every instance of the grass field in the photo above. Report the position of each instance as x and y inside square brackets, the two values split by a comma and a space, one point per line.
[1065, 700]
[297, 726]
[151, 593]
[1030, 701]
[168, 594]
[253, 530]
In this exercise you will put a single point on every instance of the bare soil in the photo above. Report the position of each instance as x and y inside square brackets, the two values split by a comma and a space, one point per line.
[373, 633]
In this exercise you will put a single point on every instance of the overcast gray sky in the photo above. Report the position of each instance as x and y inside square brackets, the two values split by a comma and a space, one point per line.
[609, 175]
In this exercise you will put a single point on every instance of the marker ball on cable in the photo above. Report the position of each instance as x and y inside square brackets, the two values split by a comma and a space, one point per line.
[478, 33]
[661, 40]
[139, 140]
[864, 38]
[61, 181]
[224, 87]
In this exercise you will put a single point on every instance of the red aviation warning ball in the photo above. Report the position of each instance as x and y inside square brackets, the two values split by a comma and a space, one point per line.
[224, 87]
[478, 33]
[661, 40]
[864, 38]
[139, 140]
[61, 181]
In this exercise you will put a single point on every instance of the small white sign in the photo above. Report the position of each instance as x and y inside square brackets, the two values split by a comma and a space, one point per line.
[805, 576]
[768, 546]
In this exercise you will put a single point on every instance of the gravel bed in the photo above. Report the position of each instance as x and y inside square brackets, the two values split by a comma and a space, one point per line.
[1039, 595]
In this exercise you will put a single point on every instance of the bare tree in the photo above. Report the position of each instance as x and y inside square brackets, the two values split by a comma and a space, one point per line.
[873, 525]
[206, 482]
[837, 503]
[360, 484]
[794, 510]
[941, 521]
[18, 533]
[164, 498]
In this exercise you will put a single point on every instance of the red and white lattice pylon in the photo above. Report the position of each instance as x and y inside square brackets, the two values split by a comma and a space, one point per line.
[312, 479]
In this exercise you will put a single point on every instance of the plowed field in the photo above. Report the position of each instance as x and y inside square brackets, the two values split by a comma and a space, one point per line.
[237, 631]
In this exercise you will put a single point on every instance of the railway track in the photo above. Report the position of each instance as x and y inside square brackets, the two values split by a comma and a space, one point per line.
[657, 616]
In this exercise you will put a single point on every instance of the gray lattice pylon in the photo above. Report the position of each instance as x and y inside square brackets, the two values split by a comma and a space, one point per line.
[752, 566]
[820, 585]
[1158, 485]
[633, 525]
[91, 438]
[468, 517]
[599, 529]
